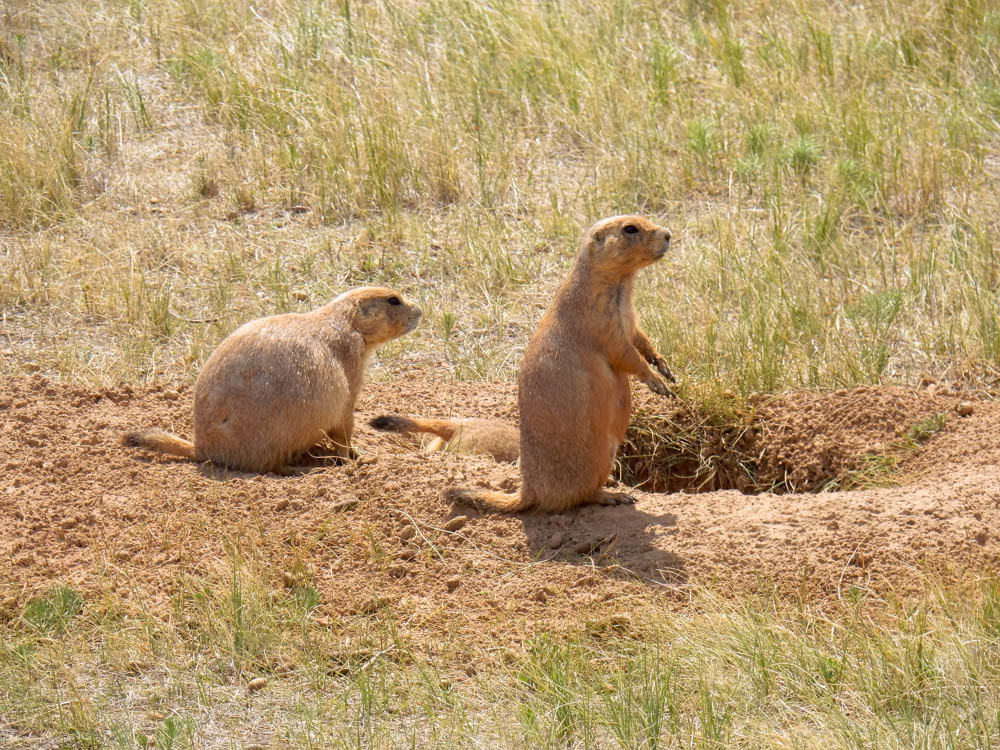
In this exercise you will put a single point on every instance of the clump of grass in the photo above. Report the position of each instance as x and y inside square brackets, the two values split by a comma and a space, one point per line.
[747, 670]
[697, 446]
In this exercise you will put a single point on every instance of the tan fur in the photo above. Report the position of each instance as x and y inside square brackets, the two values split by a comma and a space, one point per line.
[574, 396]
[278, 386]
[492, 437]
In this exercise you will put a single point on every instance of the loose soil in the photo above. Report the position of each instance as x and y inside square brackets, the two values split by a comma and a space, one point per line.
[79, 509]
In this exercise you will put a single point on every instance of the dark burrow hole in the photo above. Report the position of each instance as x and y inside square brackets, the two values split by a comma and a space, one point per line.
[699, 448]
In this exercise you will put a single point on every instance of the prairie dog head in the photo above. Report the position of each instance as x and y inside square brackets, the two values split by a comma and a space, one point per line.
[623, 244]
[380, 314]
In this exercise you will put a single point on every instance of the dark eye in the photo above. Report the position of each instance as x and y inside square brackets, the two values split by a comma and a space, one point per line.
[394, 301]
[630, 229]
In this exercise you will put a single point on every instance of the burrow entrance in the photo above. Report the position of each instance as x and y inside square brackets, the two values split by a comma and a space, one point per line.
[800, 441]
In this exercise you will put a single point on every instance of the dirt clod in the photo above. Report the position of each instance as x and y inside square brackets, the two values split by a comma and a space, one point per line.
[456, 523]
[165, 521]
[348, 503]
[966, 409]
[860, 559]
[257, 683]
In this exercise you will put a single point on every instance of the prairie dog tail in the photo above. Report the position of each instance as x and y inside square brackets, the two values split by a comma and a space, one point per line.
[503, 501]
[443, 428]
[492, 437]
[155, 439]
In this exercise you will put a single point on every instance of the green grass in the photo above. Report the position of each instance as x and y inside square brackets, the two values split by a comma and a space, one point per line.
[829, 173]
[763, 673]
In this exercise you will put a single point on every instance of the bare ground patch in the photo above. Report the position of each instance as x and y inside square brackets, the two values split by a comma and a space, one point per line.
[76, 508]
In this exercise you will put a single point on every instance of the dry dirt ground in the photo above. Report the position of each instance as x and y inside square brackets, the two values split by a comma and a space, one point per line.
[76, 508]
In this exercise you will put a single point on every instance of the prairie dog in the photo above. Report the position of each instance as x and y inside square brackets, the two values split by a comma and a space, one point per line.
[469, 435]
[574, 396]
[277, 386]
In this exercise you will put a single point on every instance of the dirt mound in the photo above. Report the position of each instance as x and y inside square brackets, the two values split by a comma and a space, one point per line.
[794, 442]
[77, 508]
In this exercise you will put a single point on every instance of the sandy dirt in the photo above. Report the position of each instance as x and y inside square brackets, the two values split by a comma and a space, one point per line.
[77, 508]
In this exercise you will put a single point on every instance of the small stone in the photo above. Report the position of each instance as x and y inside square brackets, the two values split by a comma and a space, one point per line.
[398, 571]
[966, 409]
[558, 540]
[69, 522]
[584, 547]
[409, 553]
[123, 555]
[257, 683]
[860, 559]
[540, 596]
[281, 504]
[408, 532]
[171, 395]
[347, 503]
[453, 583]
[288, 580]
[980, 538]
[300, 295]
[454, 524]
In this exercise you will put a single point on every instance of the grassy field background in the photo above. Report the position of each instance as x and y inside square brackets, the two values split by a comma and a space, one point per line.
[170, 169]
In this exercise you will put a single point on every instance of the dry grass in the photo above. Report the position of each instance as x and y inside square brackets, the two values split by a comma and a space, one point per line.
[240, 665]
[171, 170]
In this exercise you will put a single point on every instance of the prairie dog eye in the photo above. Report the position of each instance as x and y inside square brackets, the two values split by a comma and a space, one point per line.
[394, 301]
[630, 229]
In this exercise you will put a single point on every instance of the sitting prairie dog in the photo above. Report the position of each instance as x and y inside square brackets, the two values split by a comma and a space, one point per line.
[574, 396]
[277, 386]
[469, 435]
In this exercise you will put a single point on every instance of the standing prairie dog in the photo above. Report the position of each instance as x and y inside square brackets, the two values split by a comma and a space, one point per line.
[469, 435]
[277, 386]
[573, 390]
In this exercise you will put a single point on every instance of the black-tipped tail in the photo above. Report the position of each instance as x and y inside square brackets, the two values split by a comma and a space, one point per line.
[390, 423]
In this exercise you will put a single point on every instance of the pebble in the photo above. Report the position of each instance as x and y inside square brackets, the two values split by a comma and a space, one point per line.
[408, 532]
[860, 559]
[398, 571]
[558, 540]
[584, 547]
[456, 523]
[346, 504]
[453, 583]
[965, 409]
[69, 522]
[257, 683]
[281, 504]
